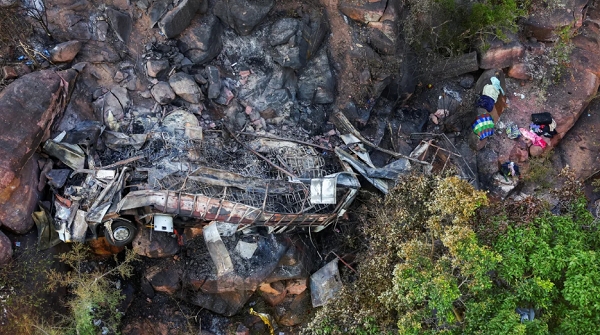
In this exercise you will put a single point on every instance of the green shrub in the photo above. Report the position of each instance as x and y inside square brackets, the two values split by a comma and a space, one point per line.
[95, 295]
[426, 270]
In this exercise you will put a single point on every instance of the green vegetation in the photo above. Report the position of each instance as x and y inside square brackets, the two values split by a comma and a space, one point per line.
[560, 54]
[95, 293]
[441, 259]
[450, 27]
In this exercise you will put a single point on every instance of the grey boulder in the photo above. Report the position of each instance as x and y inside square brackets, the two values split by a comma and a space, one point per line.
[201, 42]
[185, 87]
[316, 83]
[162, 93]
[121, 24]
[243, 15]
[179, 18]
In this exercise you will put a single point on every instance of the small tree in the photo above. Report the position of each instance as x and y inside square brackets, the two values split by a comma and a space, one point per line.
[95, 293]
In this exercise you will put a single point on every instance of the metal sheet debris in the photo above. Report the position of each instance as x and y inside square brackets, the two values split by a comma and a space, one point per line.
[325, 284]
[70, 154]
[217, 250]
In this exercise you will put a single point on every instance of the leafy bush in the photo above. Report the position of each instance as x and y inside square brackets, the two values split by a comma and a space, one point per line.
[95, 295]
[427, 271]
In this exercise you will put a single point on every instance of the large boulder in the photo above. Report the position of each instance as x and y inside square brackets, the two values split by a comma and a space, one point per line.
[179, 18]
[500, 54]
[164, 279]
[201, 42]
[243, 15]
[98, 52]
[544, 23]
[15, 212]
[5, 249]
[316, 83]
[121, 23]
[579, 149]
[28, 108]
[296, 41]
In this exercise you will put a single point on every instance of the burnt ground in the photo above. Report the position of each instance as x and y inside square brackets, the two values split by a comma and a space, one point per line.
[150, 311]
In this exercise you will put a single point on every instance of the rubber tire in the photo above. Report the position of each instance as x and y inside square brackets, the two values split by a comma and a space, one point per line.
[120, 225]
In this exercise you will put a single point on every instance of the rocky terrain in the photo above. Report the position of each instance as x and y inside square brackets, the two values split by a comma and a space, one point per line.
[277, 68]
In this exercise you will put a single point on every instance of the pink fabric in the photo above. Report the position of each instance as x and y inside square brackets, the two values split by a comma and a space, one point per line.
[533, 137]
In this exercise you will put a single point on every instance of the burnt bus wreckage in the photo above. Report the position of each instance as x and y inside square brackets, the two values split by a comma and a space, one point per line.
[171, 177]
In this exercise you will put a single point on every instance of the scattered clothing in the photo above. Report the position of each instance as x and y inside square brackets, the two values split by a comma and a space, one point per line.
[543, 124]
[483, 126]
[497, 85]
[541, 118]
[533, 137]
[491, 91]
[542, 130]
[512, 131]
[510, 169]
[486, 102]
[553, 125]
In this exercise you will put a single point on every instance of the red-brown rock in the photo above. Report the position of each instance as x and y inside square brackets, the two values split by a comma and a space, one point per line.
[28, 108]
[272, 293]
[543, 24]
[363, 10]
[15, 212]
[500, 54]
[296, 286]
[579, 148]
[293, 310]
[519, 71]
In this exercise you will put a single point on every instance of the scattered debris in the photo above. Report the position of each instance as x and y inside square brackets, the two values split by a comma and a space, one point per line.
[325, 283]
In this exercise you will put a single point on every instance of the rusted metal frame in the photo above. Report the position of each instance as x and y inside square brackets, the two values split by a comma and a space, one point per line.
[294, 217]
[262, 210]
[245, 214]
[313, 221]
[345, 125]
[221, 202]
[122, 162]
[232, 211]
[269, 219]
[346, 264]
[194, 205]
[464, 160]
[272, 137]
[166, 205]
[206, 209]
[435, 154]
